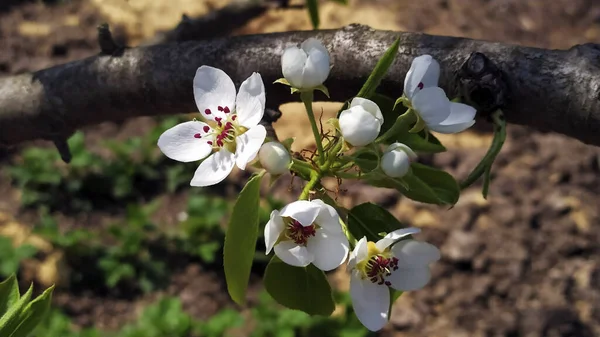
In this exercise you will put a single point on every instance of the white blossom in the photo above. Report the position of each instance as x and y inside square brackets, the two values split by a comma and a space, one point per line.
[396, 160]
[306, 232]
[431, 102]
[402, 265]
[306, 67]
[274, 157]
[234, 138]
[361, 123]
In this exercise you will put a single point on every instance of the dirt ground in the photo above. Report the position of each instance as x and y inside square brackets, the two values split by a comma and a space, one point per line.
[526, 262]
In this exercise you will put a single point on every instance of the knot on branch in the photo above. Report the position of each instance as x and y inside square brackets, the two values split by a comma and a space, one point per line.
[482, 84]
[108, 46]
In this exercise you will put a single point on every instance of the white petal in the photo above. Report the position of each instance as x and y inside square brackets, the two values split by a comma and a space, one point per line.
[292, 65]
[214, 169]
[213, 88]
[273, 229]
[395, 163]
[395, 146]
[358, 126]
[250, 103]
[328, 218]
[407, 279]
[292, 254]
[412, 253]
[248, 144]
[370, 301]
[316, 69]
[329, 250]
[311, 43]
[179, 142]
[359, 253]
[432, 105]
[302, 211]
[424, 69]
[274, 158]
[394, 236]
[368, 105]
[461, 118]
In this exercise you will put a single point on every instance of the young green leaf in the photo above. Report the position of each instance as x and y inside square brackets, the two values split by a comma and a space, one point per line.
[240, 239]
[11, 319]
[444, 186]
[34, 313]
[369, 220]
[378, 73]
[313, 11]
[9, 293]
[305, 289]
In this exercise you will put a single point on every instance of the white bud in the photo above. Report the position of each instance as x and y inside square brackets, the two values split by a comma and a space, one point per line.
[307, 66]
[361, 123]
[274, 157]
[396, 160]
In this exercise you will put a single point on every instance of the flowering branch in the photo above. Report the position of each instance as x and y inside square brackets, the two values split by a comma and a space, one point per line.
[554, 90]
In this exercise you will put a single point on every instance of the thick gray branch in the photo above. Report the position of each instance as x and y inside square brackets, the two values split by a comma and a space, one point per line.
[554, 90]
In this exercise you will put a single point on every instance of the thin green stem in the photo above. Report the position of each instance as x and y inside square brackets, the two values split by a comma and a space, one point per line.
[314, 180]
[401, 125]
[307, 99]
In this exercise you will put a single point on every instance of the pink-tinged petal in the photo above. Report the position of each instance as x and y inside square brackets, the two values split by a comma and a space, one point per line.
[329, 250]
[371, 302]
[292, 254]
[359, 254]
[461, 118]
[432, 105]
[186, 142]
[412, 253]
[214, 169]
[305, 212]
[407, 279]
[424, 72]
[250, 102]
[394, 236]
[368, 105]
[273, 229]
[213, 88]
[248, 144]
[292, 65]
[328, 218]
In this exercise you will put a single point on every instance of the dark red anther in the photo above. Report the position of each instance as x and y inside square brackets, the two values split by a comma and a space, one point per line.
[233, 117]
[207, 111]
[209, 142]
[206, 128]
[220, 143]
[420, 85]
[220, 108]
[226, 110]
[388, 283]
[197, 135]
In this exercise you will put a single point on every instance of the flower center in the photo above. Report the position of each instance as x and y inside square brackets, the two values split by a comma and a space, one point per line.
[298, 233]
[225, 131]
[378, 265]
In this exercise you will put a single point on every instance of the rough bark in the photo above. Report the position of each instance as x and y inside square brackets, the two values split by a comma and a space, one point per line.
[553, 90]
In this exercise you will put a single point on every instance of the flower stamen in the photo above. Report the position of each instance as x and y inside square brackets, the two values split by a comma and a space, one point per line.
[378, 267]
[298, 233]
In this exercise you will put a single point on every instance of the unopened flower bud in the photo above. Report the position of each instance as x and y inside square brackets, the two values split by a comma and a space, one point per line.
[396, 160]
[361, 123]
[306, 67]
[274, 157]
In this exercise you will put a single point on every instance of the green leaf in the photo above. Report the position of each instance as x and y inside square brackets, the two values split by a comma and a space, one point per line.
[369, 220]
[240, 239]
[343, 2]
[394, 295]
[34, 313]
[313, 11]
[9, 293]
[379, 71]
[305, 289]
[10, 321]
[431, 185]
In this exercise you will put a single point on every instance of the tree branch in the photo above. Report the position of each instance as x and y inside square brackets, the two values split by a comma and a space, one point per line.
[552, 90]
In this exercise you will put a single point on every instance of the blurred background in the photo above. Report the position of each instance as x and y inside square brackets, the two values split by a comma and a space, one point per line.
[135, 252]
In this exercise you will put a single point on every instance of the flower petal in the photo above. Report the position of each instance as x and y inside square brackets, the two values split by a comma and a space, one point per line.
[214, 169]
[250, 102]
[424, 69]
[248, 144]
[292, 65]
[412, 253]
[273, 229]
[213, 88]
[370, 301]
[461, 118]
[292, 254]
[302, 211]
[395, 146]
[328, 218]
[395, 163]
[358, 126]
[316, 69]
[329, 250]
[359, 253]
[394, 236]
[432, 105]
[407, 279]
[180, 142]
[368, 105]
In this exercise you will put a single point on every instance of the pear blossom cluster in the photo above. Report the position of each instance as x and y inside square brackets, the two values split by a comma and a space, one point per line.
[306, 232]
